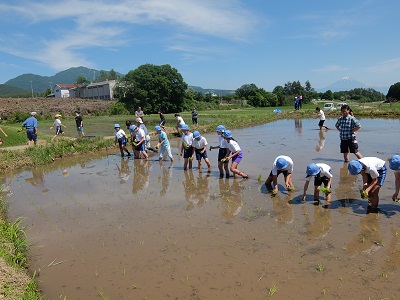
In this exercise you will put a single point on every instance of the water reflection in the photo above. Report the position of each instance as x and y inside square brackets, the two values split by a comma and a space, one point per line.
[38, 179]
[189, 187]
[141, 179]
[298, 125]
[231, 197]
[321, 141]
[165, 176]
[344, 191]
[321, 225]
[5, 185]
[123, 170]
[282, 210]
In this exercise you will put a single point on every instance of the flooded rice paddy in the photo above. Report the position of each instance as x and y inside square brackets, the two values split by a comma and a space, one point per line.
[106, 227]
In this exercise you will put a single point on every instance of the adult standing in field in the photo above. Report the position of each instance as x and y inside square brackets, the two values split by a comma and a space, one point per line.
[79, 124]
[31, 126]
[348, 126]
[162, 119]
[139, 113]
[179, 122]
[194, 116]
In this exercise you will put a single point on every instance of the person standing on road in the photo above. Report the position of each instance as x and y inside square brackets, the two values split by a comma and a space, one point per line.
[79, 124]
[31, 126]
[194, 116]
[348, 126]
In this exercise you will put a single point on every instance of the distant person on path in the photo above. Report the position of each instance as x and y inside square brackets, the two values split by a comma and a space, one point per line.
[162, 119]
[234, 153]
[200, 148]
[322, 174]
[179, 123]
[186, 147]
[79, 124]
[58, 125]
[373, 172]
[120, 137]
[321, 116]
[348, 127]
[163, 144]
[194, 116]
[31, 126]
[394, 164]
[300, 101]
[139, 113]
[282, 164]
[223, 149]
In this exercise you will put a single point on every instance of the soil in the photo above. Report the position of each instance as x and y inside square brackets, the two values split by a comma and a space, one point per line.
[46, 106]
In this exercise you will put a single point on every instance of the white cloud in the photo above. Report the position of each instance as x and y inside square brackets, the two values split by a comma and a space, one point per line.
[386, 66]
[330, 68]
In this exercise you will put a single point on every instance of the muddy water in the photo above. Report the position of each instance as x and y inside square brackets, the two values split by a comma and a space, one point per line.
[112, 228]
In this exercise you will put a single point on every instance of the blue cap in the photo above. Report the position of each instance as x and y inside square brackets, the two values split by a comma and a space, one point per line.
[185, 127]
[117, 126]
[221, 128]
[157, 128]
[312, 170]
[132, 127]
[196, 134]
[281, 163]
[394, 162]
[227, 134]
[354, 167]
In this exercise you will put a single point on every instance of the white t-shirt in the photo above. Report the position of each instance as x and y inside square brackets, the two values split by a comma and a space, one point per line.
[199, 144]
[321, 115]
[188, 139]
[222, 142]
[180, 120]
[372, 164]
[233, 146]
[289, 167]
[325, 171]
[139, 135]
[120, 134]
[57, 122]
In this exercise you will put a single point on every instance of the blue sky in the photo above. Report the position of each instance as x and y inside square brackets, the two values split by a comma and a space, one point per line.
[219, 44]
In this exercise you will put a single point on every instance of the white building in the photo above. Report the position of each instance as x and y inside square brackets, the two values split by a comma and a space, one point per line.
[100, 90]
[62, 90]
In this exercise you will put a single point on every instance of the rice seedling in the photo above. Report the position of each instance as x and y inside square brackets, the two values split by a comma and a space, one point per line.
[272, 290]
[324, 190]
[259, 178]
[290, 188]
[320, 267]
[363, 194]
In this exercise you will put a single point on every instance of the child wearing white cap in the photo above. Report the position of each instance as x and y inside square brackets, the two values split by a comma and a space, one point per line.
[282, 164]
[200, 148]
[394, 164]
[373, 172]
[186, 147]
[163, 144]
[322, 174]
[234, 153]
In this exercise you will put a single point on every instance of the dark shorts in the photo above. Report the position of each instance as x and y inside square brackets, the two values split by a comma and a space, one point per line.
[141, 147]
[59, 130]
[188, 152]
[346, 145]
[199, 155]
[121, 142]
[163, 122]
[238, 157]
[381, 177]
[79, 128]
[222, 153]
[32, 136]
[321, 123]
[285, 173]
[318, 181]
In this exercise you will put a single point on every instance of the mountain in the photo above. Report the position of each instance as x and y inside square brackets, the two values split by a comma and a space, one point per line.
[212, 91]
[347, 84]
[9, 90]
[42, 83]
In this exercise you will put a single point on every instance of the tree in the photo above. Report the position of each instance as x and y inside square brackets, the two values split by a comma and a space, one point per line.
[394, 92]
[154, 88]
[104, 75]
[246, 90]
[81, 80]
[328, 95]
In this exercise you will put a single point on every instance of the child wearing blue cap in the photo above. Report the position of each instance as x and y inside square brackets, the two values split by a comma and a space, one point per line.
[186, 147]
[120, 137]
[234, 153]
[223, 149]
[282, 164]
[200, 148]
[163, 144]
[373, 172]
[322, 174]
[394, 164]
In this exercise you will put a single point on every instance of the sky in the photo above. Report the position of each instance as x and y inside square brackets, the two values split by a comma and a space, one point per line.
[215, 44]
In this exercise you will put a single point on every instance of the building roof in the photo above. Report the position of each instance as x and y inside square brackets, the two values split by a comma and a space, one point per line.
[66, 86]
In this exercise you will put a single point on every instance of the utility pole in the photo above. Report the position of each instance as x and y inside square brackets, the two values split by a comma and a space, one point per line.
[51, 88]
[31, 87]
